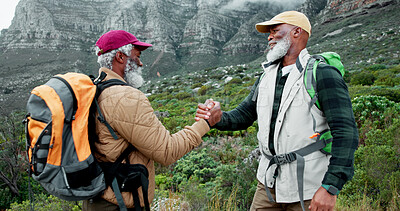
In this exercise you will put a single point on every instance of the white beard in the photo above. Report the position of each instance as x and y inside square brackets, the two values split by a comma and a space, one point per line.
[280, 49]
[133, 74]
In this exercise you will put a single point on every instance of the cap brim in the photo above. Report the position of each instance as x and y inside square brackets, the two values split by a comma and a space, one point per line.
[141, 46]
[264, 27]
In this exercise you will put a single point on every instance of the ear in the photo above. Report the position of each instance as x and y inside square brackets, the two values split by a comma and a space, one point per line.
[119, 57]
[297, 31]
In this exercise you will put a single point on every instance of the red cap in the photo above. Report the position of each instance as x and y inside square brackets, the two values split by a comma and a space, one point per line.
[115, 39]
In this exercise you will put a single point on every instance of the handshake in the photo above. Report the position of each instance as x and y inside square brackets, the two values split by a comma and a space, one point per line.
[210, 111]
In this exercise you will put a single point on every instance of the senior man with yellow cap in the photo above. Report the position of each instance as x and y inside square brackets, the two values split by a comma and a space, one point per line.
[293, 173]
[140, 138]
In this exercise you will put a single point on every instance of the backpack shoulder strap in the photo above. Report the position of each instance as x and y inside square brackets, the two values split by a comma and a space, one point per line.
[101, 86]
[112, 82]
[310, 78]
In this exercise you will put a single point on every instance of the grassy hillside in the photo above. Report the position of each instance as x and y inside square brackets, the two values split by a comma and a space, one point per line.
[363, 39]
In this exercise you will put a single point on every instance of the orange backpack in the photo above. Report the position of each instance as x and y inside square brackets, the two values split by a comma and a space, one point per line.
[58, 133]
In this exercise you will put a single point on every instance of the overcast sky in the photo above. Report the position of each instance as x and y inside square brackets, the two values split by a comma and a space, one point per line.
[7, 10]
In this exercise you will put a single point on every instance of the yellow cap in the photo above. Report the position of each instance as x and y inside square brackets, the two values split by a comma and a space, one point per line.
[290, 17]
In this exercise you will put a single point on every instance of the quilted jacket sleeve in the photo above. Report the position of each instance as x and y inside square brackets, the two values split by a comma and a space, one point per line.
[132, 116]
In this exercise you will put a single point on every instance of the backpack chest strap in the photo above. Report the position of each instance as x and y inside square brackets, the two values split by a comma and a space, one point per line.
[298, 156]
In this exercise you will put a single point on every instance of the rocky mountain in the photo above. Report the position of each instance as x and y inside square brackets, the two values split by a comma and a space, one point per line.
[186, 34]
[47, 37]
[323, 11]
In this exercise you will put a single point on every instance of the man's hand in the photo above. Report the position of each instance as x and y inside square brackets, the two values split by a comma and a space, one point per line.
[322, 200]
[210, 110]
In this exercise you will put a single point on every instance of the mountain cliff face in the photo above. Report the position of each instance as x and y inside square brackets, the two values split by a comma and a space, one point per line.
[329, 10]
[186, 34]
[48, 37]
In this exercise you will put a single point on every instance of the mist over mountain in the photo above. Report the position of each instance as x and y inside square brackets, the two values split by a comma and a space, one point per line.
[48, 37]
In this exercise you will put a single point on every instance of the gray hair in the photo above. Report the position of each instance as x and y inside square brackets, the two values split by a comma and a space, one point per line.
[106, 59]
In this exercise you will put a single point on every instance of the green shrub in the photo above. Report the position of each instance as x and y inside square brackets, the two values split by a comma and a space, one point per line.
[239, 178]
[377, 166]
[196, 85]
[202, 90]
[197, 193]
[235, 81]
[376, 67]
[183, 95]
[217, 77]
[163, 181]
[362, 78]
[391, 93]
[372, 108]
[374, 112]
[46, 203]
[195, 163]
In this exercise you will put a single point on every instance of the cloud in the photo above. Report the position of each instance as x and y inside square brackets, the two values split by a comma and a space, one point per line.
[240, 5]
[7, 13]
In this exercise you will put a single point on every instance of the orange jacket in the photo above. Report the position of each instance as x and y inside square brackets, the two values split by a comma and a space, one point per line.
[130, 114]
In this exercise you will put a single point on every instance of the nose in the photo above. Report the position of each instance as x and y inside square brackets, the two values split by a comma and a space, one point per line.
[139, 63]
[270, 37]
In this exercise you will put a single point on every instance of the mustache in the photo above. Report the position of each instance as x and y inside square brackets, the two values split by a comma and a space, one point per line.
[269, 46]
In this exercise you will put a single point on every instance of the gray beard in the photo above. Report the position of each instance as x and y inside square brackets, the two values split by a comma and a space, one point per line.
[280, 49]
[133, 74]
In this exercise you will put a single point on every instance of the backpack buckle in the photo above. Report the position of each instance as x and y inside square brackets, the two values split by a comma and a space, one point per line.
[284, 158]
[280, 159]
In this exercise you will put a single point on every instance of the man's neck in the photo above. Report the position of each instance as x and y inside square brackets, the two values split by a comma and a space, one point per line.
[291, 56]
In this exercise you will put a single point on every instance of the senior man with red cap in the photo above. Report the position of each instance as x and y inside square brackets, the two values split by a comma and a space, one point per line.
[293, 173]
[129, 113]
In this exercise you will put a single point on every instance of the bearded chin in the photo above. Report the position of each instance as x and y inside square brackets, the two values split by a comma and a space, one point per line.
[280, 49]
[133, 75]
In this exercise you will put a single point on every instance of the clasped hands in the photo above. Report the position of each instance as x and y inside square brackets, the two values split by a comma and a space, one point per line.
[210, 111]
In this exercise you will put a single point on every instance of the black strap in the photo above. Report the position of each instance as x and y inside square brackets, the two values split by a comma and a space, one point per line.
[136, 200]
[112, 82]
[145, 188]
[99, 79]
[101, 118]
[28, 138]
[114, 183]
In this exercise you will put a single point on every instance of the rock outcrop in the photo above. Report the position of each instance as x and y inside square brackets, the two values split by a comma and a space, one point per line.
[323, 11]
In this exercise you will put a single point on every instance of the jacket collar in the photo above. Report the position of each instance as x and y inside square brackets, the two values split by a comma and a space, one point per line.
[110, 74]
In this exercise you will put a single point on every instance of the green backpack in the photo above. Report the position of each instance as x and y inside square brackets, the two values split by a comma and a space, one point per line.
[310, 83]
[310, 78]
